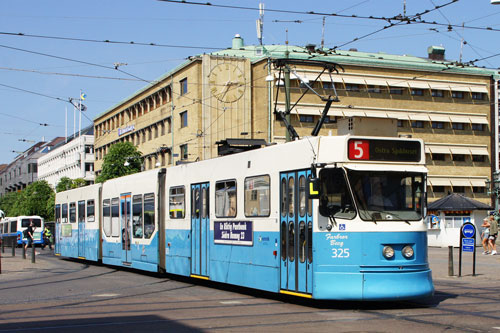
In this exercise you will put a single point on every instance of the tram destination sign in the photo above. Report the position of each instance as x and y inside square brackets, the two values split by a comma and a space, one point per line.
[384, 150]
[233, 232]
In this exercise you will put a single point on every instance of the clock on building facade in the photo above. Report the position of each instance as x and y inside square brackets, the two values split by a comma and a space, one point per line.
[227, 82]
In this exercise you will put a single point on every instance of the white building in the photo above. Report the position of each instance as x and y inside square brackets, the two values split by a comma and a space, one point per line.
[74, 159]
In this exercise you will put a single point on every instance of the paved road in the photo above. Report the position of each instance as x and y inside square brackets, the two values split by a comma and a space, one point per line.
[57, 295]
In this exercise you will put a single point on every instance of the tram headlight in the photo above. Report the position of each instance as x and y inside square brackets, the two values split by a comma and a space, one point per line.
[388, 252]
[407, 251]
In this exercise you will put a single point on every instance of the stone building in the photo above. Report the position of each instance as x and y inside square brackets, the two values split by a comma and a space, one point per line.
[233, 93]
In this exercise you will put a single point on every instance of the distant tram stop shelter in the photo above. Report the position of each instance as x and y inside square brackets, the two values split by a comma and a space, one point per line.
[446, 216]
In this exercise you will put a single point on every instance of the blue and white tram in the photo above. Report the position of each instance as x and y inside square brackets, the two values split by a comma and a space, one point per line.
[15, 227]
[324, 217]
[78, 224]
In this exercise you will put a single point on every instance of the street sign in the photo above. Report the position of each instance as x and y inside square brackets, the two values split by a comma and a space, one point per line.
[468, 230]
[468, 244]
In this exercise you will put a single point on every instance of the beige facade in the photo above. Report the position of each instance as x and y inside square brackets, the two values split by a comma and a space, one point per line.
[233, 94]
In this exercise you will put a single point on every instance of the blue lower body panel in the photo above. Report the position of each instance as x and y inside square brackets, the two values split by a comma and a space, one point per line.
[373, 286]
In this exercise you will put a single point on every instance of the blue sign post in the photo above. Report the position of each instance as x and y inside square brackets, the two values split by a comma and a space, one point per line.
[467, 244]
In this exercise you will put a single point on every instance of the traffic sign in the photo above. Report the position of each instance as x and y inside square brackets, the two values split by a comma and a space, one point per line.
[468, 244]
[468, 230]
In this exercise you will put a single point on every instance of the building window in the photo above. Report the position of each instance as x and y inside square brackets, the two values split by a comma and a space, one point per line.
[458, 157]
[184, 119]
[150, 133]
[478, 127]
[478, 158]
[459, 189]
[168, 123]
[417, 92]
[417, 124]
[89, 166]
[437, 93]
[374, 89]
[457, 94]
[401, 123]
[184, 86]
[458, 126]
[477, 189]
[351, 87]
[437, 125]
[438, 189]
[395, 91]
[155, 128]
[478, 96]
[306, 119]
[330, 120]
[327, 85]
[438, 157]
[184, 151]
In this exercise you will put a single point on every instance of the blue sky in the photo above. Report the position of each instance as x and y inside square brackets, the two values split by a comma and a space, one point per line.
[28, 63]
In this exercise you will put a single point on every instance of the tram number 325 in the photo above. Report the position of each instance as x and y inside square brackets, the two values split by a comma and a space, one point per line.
[340, 253]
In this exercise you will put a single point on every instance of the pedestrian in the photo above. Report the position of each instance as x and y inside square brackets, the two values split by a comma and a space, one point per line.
[493, 235]
[485, 234]
[28, 234]
[47, 235]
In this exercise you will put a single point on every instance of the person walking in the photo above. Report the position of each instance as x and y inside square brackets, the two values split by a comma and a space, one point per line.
[47, 235]
[28, 234]
[485, 235]
[493, 235]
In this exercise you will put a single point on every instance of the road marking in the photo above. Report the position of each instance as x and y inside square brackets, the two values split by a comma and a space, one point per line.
[106, 295]
[230, 302]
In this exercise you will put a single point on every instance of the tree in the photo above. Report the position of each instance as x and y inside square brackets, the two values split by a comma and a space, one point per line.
[114, 165]
[78, 182]
[9, 203]
[36, 199]
[64, 184]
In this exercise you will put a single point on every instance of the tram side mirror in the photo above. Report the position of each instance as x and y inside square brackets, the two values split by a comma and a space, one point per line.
[313, 188]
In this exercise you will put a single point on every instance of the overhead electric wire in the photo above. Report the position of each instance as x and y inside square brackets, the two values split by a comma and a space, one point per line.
[68, 74]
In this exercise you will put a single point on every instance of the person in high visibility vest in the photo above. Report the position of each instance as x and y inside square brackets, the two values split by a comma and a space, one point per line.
[47, 235]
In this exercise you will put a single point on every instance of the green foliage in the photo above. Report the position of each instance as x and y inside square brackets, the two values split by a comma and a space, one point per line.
[64, 184]
[114, 162]
[78, 182]
[38, 198]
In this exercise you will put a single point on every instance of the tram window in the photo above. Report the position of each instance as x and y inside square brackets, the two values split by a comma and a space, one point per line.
[257, 196]
[106, 214]
[335, 198]
[137, 221]
[291, 196]
[81, 211]
[72, 212]
[26, 222]
[149, 214]
[13, 226]
[195, 202]
[90, 210]
[302, 241]
[309, 202]
[177, 202]
[283, 197]
[291, 241]
[204, 203]
[225, 198]
[58, 213]
[64, 213]
[283, 240]
[115, 217]
[302, 196]
[309, 242]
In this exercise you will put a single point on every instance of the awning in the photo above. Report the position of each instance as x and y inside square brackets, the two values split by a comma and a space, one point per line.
[417, 116]
[440, 118]
[460, 151]
[427, 150]
[478, 182]
[479, 120]
[376, 82]
[352, 113]
[439, 149]
[459, 119]
[398, 83]
[398, 115]
[479, 151]
[354, 80]
[335, 113]
[439, 181]
[460, 182]
[457, 87]
[418, 84]
[479, 89]
[439, 86]
[376, 114]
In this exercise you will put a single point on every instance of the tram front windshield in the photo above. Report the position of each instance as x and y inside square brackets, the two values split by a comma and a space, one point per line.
[379, 195]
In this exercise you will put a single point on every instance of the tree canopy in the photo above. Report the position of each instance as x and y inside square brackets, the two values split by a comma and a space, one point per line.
[67, 183]
[36, 199]
[122, 159]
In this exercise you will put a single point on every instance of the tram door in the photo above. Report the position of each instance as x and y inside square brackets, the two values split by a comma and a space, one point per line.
[200, 229]
[126, 225]
[81, 229]
[295, 232]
